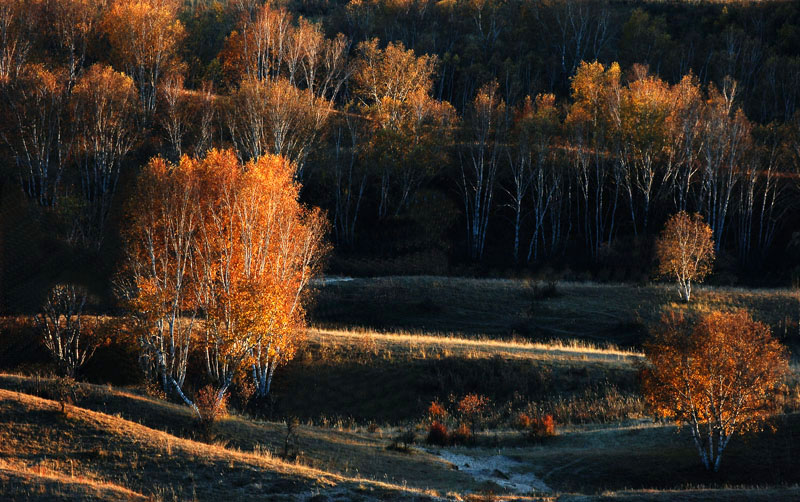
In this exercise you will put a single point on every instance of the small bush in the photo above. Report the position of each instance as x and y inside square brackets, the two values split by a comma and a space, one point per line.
[462, 435]
[472, 408]
[437, 434]
[436, 412]
[64, 390]
[523, 422]
[211, 409]
[290, 443]
[543, 291]
[542, 427]
[403, 441]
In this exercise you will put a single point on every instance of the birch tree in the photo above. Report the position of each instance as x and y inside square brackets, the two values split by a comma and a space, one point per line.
[145, 37]
[157, 284]
[720, 377]
[67, 334]
[484, 138]
[685, 251]
[104, 104]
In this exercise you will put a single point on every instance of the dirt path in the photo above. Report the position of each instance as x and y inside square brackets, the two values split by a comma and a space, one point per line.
[498, 469]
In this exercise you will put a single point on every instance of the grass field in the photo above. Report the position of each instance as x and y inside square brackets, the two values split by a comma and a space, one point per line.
[379, 352]
[603, 314]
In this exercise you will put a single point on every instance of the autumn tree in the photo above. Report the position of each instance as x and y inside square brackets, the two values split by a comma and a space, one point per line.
[145, 37]
[685, 251]
[67, 334]
[271, 44]
[594, 88]
[726, 138]
[684, 127]
[640, 116]
[36, 130]
[16, 26]
[104, 104]
[73, 23]
[227, 241]
[719, 377]
[410, 129]
[484, 133]
[349, 174]
[157, 279]
[258, 248]
[275, 117]
[535, 175]
[175, 117]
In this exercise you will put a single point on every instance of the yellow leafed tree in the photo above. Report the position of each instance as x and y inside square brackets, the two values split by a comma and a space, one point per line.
[718, 377]
[685, 251]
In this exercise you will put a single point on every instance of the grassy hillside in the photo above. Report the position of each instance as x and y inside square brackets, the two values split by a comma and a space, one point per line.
[392, 378]
[380, 352]
[44, 452]
[503, 308]
[84, 454]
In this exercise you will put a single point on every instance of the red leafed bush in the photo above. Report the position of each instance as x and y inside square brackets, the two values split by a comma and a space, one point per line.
[437, 434]
[210, 407]
[523, 421]
[436, 412]
[542, 427]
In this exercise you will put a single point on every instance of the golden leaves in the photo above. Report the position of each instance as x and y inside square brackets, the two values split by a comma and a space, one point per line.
[726, 369]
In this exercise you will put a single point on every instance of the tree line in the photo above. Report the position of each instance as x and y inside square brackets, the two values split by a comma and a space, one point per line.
[458, 132]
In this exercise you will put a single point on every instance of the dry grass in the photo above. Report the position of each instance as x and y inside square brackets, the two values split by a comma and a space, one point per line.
[97, 452]
[382, 350]
[20, 482]
[423, 346]
[695, 495]
[601, 314]
[327, 454]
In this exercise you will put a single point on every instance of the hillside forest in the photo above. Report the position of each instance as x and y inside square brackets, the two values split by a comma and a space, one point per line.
[466, 137]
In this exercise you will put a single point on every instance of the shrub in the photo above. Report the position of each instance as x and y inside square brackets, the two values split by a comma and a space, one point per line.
[437, 434]
[542, 427]
[436, 412]
[462, 435]
[211, 408]
[472, 408]
[291, 440]
[65, 391]
[403, 441]
[523, 421]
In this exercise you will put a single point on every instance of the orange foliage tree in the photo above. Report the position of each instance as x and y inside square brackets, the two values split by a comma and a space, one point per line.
[229, 242]
[258, 249]
[145, 37]
[157, 283]
[409, 128]
[718, 377]
[275, 117]
[16, 37]
[685, 251]
[35, 129]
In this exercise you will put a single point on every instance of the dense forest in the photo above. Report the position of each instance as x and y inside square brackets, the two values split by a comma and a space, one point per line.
[452, 136]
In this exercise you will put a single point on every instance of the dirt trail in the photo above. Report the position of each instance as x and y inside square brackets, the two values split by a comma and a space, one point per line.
[498, 469]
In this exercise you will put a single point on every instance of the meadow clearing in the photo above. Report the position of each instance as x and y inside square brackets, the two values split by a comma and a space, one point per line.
[379, 352]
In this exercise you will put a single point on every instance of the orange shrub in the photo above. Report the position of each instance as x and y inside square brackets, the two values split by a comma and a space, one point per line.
[462, 435]
[472, 408]
[210, 407]
[542, 427]
[523, 421]
[437, 434]
[436, 412]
